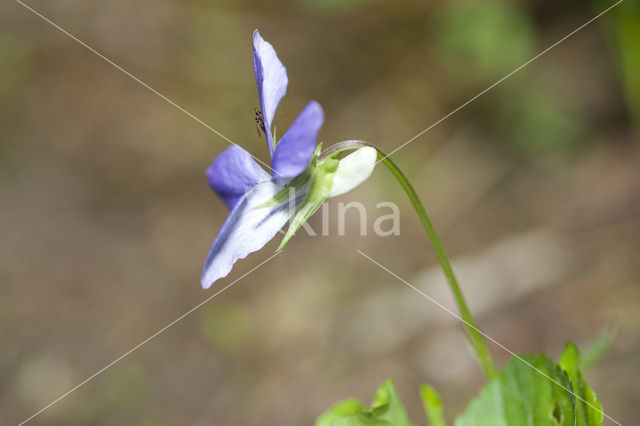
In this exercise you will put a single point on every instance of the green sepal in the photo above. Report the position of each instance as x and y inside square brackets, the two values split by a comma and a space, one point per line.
[296, 183]
[322, 180]
[283, 195]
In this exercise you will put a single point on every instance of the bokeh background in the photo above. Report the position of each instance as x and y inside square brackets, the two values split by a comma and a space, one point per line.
[106, 217]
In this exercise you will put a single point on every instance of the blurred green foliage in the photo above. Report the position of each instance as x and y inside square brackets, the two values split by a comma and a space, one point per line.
[128, 386]
[333, 7]
[2, 319]
[535, 122]
[482, 40]
[227, 325]
[622, 25]
[16, 63]
[596, 349]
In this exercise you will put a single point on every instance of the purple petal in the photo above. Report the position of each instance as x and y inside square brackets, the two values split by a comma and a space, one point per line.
[272, 80]
[233, 173]
[296, 147]
[248, 228]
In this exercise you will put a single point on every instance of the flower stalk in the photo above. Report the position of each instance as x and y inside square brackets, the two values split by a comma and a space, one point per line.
[475, 337]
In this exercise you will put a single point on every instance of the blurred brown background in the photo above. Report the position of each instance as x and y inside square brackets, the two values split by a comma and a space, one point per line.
[106, 217]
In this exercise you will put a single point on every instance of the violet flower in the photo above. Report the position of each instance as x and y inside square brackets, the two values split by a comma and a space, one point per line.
[260, 203]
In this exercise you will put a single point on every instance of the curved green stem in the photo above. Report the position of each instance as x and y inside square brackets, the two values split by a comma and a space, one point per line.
[475, 337]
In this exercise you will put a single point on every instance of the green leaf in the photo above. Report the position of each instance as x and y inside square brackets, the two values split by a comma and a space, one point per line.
[432, 405]
[523, 394]
[589, 410]
[340, 410]
[386, 410]
[388, 406]
[322, 180]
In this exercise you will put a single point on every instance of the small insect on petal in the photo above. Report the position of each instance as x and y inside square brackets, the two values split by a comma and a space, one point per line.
[259, 121]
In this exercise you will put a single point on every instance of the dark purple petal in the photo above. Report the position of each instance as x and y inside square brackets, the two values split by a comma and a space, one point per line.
[249, 227]
[272, 80]
[296, 147]
[233, 173]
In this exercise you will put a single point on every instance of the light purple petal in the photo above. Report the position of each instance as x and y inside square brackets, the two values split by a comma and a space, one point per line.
[248, 228]
[233, 173]
[272, 80]
[296, 147]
